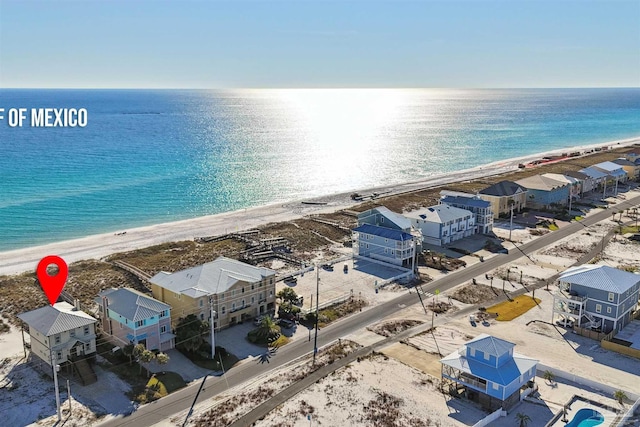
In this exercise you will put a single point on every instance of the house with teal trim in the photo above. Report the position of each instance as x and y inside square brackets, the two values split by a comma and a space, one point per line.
[481, 208]
[131, 317]
[486, 370]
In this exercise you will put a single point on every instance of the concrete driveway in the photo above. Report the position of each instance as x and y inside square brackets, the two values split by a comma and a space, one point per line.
[181, 365]
[234, 340]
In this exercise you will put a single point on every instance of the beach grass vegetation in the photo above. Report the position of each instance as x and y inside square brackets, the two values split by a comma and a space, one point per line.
[509, 310]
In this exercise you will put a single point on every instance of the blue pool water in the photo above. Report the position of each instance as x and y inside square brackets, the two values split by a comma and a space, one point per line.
[586, 418]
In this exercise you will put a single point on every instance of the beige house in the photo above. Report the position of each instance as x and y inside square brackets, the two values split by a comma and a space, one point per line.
[503, 195]
[236, 291]
[61, 332]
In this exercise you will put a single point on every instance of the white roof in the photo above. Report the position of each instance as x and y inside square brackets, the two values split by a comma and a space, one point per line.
[60, 317]
[211, 278]
[601, 277]
[541, 182]
[562, 178]
[131, 304]
[593, 172]
[610, 168]
[440, 214]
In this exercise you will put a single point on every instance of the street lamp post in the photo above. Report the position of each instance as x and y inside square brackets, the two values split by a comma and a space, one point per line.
[55, 367]
[315, 338]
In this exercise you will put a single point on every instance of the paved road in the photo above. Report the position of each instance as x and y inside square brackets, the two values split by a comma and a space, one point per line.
[182, 399]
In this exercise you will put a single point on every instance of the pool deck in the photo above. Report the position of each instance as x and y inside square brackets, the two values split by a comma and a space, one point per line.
[579, 403]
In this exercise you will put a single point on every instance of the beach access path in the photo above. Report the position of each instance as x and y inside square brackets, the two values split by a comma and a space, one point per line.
[101, 245]
[167, 407]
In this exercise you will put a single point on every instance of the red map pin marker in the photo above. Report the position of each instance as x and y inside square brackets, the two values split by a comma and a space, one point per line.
[52, 285]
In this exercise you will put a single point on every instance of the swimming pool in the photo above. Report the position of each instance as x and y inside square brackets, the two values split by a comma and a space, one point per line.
[586, 418]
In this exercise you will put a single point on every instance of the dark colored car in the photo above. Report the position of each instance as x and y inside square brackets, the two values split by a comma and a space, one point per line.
[286, 323]
[327, 267]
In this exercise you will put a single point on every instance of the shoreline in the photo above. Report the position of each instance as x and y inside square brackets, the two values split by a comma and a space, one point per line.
[96, 246]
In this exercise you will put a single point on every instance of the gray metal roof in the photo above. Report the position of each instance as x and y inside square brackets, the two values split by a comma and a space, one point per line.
[623, 162]
[61, 317]
[576, 174]
[472, 201]
[541, 182]
[131, 304]
[610, 168]
[211, 278]
[440, 214]
[593, 172]
[388, 233]
[491, 345]
[601, 277]
[399, 220]
[505, 374]
[503, 189]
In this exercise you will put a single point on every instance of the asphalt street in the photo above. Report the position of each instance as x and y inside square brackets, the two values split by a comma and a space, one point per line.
[167, 407]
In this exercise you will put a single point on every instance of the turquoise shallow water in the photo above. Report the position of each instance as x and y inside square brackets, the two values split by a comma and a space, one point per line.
[154, 156]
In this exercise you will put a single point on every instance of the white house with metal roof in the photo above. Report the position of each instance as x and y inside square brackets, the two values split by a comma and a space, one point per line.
[480, 207]
[382, 216]
[597, 297]
[235, 290]
[598, 177]
[443, 224]
[60, 331]
[489, 372]
[131, 317]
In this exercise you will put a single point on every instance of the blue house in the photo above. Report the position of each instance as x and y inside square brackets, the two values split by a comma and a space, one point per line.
[596, 297]
[487, 370]
[384, 217]
[385, 244]
[545, 192]
[128, 316]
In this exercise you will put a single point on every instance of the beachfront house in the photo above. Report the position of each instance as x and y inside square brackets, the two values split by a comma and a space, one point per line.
[573, 183]
[131, 317]
[481, 208]
[62, 334]
[503, 196]
[632, 169]
[615, 174]
[585, 182]
[544, 192]
[596, 297]
[598, 177]
[633, 154]
[386, 244]
[384, 217]
[234, 290]
[486, 370]
[443, 224]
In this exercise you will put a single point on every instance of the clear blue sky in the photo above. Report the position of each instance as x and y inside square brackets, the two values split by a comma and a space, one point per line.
[219, 44]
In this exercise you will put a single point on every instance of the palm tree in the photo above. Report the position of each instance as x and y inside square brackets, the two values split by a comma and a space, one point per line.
[162, 358]
[620, 396]
[267, 329]
[145, 358]
[548, 376]
[523, 419]
[127, 350]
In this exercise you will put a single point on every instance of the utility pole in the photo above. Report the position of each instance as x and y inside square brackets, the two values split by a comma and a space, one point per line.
[315, 338]
[55, 367]
[69, 396]
[511, 223]
[213, 339]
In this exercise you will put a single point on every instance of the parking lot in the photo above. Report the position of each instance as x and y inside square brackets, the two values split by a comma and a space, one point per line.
[359, 281]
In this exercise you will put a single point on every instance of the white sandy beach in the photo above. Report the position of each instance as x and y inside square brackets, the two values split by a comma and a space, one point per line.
[97, 246]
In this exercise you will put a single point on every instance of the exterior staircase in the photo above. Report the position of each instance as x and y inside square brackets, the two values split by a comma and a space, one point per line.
[85, 371]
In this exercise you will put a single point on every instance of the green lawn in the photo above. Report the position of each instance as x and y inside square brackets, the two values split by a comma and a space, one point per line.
[171, 381]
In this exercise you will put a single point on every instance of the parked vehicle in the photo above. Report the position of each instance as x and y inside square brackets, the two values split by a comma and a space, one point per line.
[286, 323]
[290, 279]
[258, 320]
[345, 268]
[327, 267]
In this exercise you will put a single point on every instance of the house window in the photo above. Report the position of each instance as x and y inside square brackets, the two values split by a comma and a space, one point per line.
[140, 323]
[270, 293]
[611, 297]
[386, 240]
[598, 308]
[243, 290]
[253, 299]
[179, 296]
[87, 348]
[86, 330]
[57, 339]
[385, 250]
[381, 219]
[609, 310]
[243, 304]
[201, 302]
[233, 306]
[163, 314]
[487, 356]
[496, 386]
[163, 329]
[59, 355]
[252, 286]
[223, 309]
[472, 352]
[120, 325]
[367, 245]
[72, 333]
[201, 316]
[260, 296]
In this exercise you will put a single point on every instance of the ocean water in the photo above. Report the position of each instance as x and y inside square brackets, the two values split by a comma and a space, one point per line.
[151, 156]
